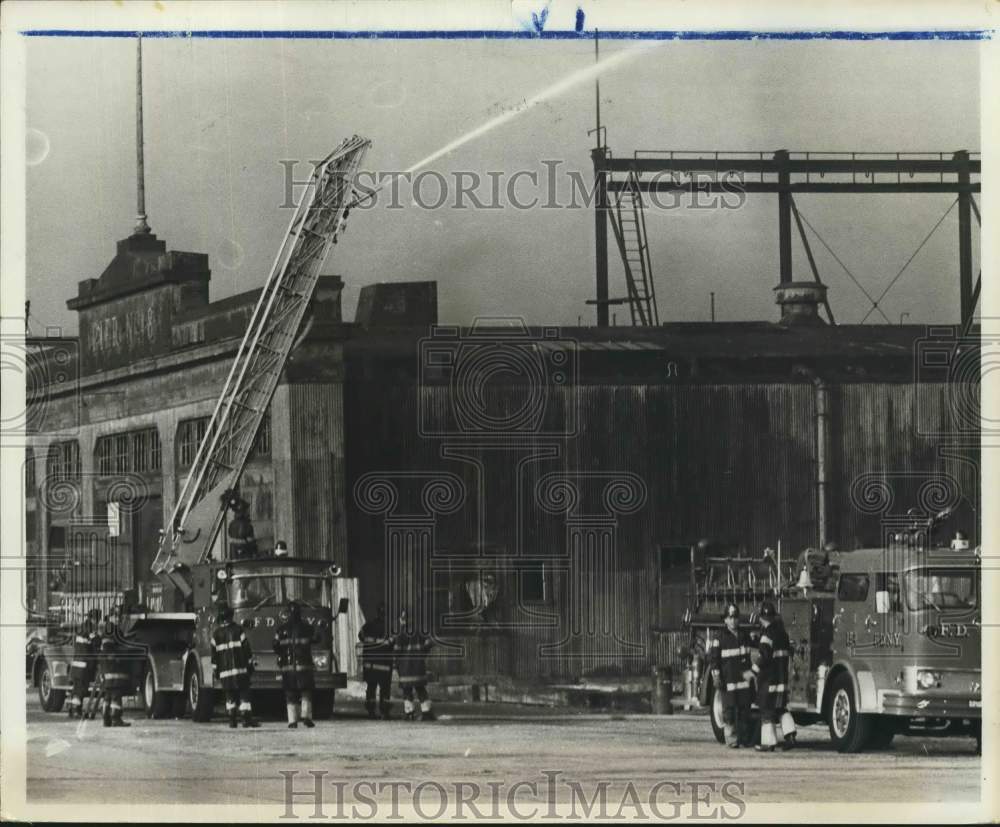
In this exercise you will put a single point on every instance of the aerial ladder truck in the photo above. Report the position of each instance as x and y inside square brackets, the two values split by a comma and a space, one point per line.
[171, 663]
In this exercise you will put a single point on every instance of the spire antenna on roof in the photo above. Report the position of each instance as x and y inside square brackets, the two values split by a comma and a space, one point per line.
[141, 226]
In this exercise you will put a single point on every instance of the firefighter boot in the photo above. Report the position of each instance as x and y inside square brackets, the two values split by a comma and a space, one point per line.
[383, 709]
[117, 720]
[232, 718]
[107, 714]
[768, 737]
[74, 709]
[248, 720]
[307, 715]
[732, 741]
[293, 716]
[426, 713]
[370, 707]
[788, 731]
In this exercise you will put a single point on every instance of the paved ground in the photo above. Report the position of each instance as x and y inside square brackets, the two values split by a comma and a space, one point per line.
[179, 761]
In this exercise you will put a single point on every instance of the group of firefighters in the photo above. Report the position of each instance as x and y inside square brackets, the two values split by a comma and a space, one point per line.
[99, 655]
[739, 671]
[100, 667]
[100, 661]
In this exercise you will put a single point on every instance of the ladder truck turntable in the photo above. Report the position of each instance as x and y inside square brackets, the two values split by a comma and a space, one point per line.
[884, 641]
[170, 651]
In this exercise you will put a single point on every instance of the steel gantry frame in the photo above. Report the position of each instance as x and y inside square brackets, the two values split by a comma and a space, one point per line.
[786, 174]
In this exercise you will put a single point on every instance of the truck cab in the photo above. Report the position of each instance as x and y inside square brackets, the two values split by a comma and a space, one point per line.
[259, 591]
[905, 649]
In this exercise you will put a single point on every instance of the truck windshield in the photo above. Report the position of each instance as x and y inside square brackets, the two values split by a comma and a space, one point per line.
[941, 589]
[256, 591]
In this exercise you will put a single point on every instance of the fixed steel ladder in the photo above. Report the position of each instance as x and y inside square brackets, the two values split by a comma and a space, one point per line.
[319, 218]
[628, 220]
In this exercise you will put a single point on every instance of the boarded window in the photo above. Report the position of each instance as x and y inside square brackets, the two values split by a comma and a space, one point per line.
[673, 586]
[535, 585]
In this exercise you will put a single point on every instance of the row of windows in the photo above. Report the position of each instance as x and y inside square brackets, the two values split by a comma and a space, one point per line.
[133, 452]
[191, 432]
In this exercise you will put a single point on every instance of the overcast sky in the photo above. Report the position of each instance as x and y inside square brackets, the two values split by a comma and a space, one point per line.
[221, 114]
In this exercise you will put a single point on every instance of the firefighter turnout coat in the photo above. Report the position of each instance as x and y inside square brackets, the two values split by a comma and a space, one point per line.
[232, 657]
[772, 669]
[86, 647]
[730, 654]
[293, 646]
[113, 663]
[376, 650]
[411, 658]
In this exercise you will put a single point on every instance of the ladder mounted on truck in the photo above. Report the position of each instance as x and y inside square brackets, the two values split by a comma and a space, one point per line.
[319, 218]
[628, 220]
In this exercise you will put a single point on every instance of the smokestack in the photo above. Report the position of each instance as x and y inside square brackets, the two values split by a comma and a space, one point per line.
[141, 227]
[800, 301]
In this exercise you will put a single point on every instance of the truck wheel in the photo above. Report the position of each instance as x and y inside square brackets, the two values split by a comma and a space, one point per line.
[715, 714]
[323, 704]
[200, 700]
[158, 704]
[52, 700]
[849, 729]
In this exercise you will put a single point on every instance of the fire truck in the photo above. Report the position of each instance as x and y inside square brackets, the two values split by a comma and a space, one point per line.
[884, 641]
[167, 634]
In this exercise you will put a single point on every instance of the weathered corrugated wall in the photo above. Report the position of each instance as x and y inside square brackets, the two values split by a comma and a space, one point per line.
[735, 462]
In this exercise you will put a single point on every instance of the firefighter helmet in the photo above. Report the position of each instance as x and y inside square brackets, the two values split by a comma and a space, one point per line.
[294, 609]
[731, 610]
[767, 610]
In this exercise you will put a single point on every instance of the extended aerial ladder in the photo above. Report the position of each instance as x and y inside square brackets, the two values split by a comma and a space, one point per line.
[628, 220]
[319, 218]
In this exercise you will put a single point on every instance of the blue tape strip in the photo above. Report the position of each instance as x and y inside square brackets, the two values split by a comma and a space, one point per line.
[487, 34]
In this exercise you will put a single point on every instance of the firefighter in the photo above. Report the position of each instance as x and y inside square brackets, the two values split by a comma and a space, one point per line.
[293, 646]
[411, 649]
[242, 543]
[233, 663]
[114, 671]
[771, 672]
[83, 669]
[729, 658]
[376, 663]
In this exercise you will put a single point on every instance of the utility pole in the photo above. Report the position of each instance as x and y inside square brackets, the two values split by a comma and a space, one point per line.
[713, 305]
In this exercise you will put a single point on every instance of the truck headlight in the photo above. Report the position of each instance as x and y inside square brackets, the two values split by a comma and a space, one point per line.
[321, 660]
[927, 680]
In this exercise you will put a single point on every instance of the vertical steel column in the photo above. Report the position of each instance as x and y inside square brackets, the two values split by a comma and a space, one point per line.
[784, 218]
[964, 237]
[601, 235]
